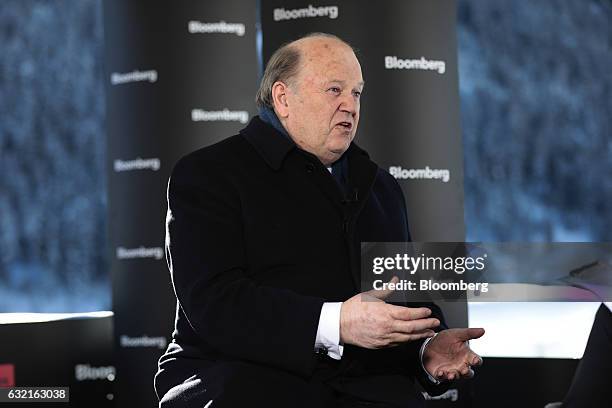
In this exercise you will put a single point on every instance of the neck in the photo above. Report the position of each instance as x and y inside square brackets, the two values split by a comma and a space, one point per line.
[269, 116]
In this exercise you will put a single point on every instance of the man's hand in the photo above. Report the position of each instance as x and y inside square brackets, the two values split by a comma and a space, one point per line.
[448, 355]
[367, 321]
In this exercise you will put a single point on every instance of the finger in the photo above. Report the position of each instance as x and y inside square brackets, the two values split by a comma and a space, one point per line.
[382, 294]
[452, 375]
[464, 370]
[474, 359]
[442, 374]
[412, 326]
[470, 374]
[468, 333]
[397, 338]
[409, 313]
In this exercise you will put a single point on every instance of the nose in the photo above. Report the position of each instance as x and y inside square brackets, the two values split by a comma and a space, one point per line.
[350, 104]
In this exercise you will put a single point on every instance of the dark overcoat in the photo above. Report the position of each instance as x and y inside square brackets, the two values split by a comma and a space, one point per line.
[259, 235]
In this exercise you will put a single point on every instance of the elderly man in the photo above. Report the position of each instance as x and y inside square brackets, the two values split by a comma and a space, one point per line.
[263, 234]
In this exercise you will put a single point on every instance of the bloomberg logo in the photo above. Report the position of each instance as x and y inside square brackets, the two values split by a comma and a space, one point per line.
[84, 372]
[140, 252]
[225, 115]
[198, 27]
[392, 62]
[306, 12]
[137, 164]
[118, 78]
[415, 174]
[143, 341]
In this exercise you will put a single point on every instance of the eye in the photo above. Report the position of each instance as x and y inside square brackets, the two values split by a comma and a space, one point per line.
[335, 90]
[357, 94]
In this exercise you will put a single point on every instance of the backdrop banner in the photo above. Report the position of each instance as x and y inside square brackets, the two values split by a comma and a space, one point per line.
[178, 78]
[409, 108]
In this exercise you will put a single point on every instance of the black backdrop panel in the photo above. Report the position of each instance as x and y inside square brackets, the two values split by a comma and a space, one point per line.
[410, 108]
[179, 78]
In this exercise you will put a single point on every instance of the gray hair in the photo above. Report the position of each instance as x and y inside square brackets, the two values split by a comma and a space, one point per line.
[283, 66]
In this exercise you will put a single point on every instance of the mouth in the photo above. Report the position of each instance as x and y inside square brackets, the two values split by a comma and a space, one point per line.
[347, 126]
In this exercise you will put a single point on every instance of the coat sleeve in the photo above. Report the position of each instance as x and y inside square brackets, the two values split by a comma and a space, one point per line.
[207, 259]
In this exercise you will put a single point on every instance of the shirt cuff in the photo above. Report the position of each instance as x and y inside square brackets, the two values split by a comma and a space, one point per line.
[328, 332]
[423, 346]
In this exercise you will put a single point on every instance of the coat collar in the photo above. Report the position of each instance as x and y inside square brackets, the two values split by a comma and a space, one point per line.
[273, 146]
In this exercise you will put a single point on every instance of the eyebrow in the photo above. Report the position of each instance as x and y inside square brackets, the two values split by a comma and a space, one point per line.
[360, 83]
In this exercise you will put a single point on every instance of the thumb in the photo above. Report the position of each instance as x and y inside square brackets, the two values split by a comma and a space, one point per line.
[471, 333]
[382, 294]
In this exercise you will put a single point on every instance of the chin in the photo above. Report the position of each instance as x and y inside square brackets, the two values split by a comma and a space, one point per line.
[339, 150]
[341, 141]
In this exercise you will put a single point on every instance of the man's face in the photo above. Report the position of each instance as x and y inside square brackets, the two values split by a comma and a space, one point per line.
[323, 100]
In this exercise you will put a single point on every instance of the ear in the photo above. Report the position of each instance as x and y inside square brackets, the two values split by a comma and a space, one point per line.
[279, 97]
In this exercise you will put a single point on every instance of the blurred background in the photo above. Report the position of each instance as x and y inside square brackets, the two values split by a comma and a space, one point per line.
[536, 97]
[536, 100]
[53, 207]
